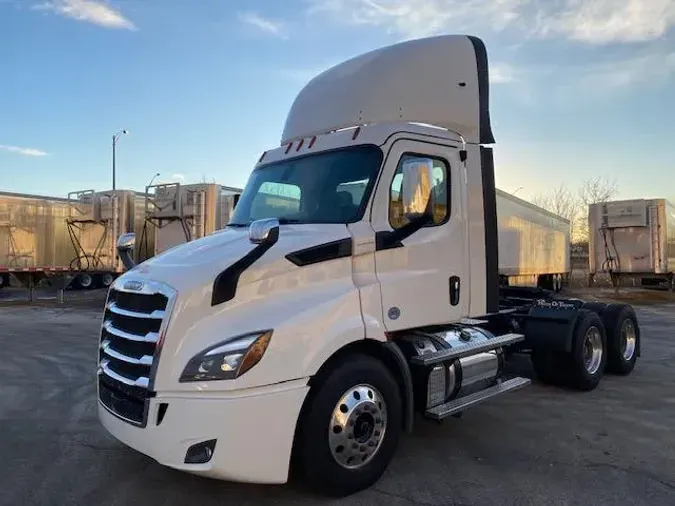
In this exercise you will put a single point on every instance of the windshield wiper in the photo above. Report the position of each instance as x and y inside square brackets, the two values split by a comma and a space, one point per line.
[236, 225]
[288, 221]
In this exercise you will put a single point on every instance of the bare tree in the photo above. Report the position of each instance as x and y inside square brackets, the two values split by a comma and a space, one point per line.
[592, 191]
[563, 202]
[597, 189]
[573, 206]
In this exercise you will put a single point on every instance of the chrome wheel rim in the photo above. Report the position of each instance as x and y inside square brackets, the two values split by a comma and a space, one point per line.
[107, 279]
[357, 426]
[592, 350]
[85, 280]
[628, 339]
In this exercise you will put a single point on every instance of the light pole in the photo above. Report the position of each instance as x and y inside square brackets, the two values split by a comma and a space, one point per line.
[153, 179]
[114, 146]
[516, 190]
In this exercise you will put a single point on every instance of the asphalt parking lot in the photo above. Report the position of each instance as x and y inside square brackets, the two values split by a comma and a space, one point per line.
[538, 446]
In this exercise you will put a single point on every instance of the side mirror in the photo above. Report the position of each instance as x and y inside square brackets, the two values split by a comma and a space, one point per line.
[416, 187]
[126, 241]
[125, 249]
[264, 231]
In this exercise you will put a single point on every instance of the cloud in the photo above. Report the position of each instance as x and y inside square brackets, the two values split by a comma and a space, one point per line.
[652, 68]
[275, 28]
[589, 21]
[604, 21]
[97, 12]
[22, 151]
[597, 81]
[502, 73]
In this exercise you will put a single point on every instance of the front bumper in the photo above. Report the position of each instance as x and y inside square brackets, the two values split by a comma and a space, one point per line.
[254, 429]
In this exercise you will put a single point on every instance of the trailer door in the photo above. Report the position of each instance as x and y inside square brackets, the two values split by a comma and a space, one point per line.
[422, 278]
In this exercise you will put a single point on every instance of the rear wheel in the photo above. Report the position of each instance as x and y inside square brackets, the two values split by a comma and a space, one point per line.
[350, 428]
[586, 363]
[622, 338]
[623, 335]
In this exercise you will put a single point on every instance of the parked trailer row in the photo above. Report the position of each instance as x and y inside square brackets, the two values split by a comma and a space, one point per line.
[71, 241]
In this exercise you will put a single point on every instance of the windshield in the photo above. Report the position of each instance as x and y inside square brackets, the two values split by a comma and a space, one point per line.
[330, 187]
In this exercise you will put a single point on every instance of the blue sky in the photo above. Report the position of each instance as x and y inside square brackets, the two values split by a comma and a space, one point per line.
[579, 87]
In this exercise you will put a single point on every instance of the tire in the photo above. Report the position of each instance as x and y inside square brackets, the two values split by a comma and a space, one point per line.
[84, 281]
[623, 336]
[107, 279]
[614, 318]
[586, 363]
[325, 443]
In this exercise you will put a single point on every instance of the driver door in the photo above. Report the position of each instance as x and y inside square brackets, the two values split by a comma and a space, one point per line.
[423, 276]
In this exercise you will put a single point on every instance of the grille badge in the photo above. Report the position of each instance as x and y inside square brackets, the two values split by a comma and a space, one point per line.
[135, 286]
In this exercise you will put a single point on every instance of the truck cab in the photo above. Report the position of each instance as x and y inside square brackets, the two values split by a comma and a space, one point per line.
[355, 284]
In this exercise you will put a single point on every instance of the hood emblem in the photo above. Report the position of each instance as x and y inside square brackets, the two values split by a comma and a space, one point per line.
[134, 286]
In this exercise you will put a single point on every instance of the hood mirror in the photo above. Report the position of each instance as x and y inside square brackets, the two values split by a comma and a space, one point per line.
[126, 243]
[416, 193]
[264, 231]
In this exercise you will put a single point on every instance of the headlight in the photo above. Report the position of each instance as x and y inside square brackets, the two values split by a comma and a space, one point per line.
[227, 360]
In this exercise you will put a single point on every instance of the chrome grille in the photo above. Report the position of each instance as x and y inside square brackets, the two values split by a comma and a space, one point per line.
[131, 337]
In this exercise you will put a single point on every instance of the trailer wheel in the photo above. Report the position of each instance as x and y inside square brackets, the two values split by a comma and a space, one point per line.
[84, 281]
[622, 338]
[589, 352]
[350, 428]
[106, 279]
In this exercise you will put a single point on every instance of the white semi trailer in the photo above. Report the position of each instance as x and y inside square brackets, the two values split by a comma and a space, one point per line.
[534, 244]
[309, 333]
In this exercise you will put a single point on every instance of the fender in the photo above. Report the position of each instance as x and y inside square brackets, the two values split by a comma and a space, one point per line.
[405, 378]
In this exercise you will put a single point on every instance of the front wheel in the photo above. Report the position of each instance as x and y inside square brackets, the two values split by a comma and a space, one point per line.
[351, 426]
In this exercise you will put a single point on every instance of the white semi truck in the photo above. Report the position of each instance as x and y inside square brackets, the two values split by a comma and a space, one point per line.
[309, 332]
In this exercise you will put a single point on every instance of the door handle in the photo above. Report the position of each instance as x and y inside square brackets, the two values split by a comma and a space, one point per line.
[454, 290]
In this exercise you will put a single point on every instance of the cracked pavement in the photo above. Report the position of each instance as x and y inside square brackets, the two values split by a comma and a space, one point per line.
[540, 445]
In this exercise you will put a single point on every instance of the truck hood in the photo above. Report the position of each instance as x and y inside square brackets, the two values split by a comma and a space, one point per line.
[195, 265]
